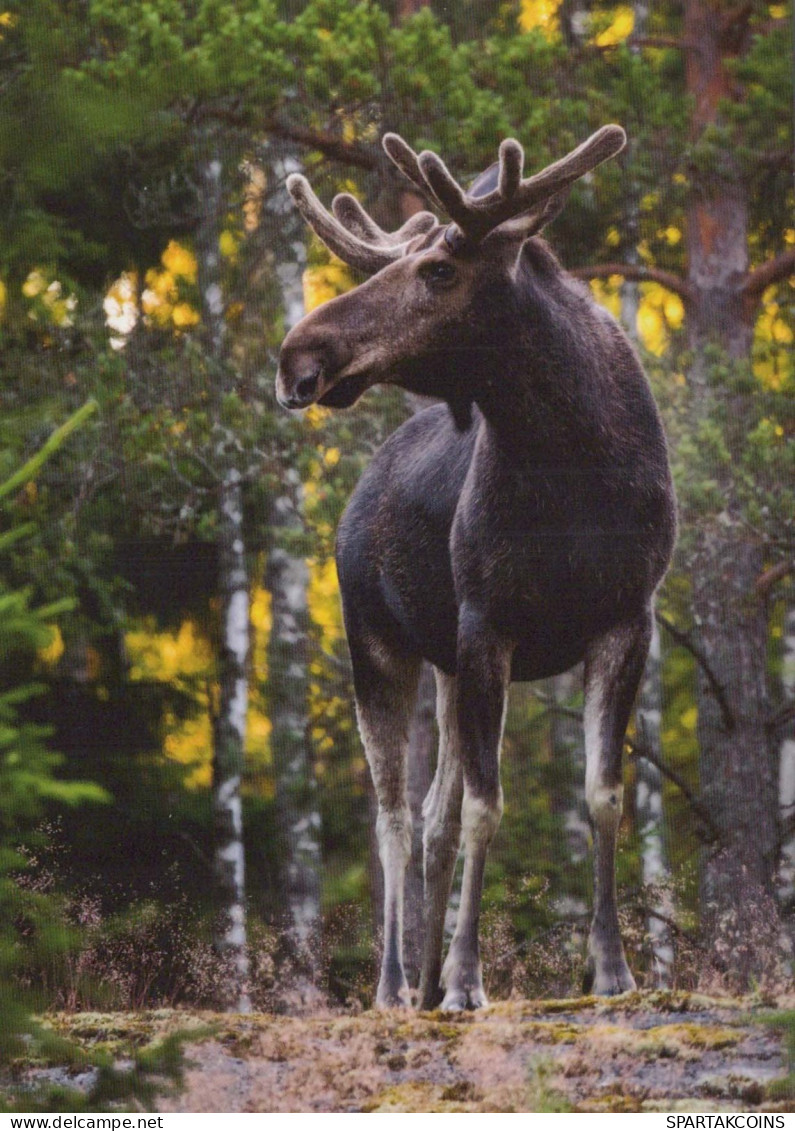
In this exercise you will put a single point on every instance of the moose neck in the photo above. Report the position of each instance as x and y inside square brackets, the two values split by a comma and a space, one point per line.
[542, 387]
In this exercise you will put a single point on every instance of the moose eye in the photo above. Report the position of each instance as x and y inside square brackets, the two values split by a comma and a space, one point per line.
[438, 273]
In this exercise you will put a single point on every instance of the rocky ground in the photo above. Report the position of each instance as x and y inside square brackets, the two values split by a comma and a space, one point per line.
[640, 1052]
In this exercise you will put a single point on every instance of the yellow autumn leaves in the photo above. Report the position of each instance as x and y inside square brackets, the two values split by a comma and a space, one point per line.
[542, 15]
[660, 312]
[184, 659]
[49, 303]
[325, 282]
[162, 300]
[166, 299]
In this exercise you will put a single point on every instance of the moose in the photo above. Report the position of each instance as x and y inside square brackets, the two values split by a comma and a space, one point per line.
[512, 530]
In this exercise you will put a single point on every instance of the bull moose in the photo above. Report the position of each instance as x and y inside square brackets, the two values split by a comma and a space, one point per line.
[516, 529]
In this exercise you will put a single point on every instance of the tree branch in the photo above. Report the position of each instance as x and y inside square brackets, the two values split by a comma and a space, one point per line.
[787, 828]
[642, 750]
[661, 41]
[772, 156]
[335, 148]
[683, 638]
[766, 26]
[739, 14]
[773, 271]
[638, 272]
[781, 718]
[766, 580]
[586, 49]
[556, 708]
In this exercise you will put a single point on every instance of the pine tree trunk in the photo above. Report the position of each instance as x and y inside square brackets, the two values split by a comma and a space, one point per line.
[786, 779]
[229, 730]
[738, 771]
[739, 778]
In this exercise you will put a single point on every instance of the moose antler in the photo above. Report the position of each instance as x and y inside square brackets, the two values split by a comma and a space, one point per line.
[356, 238]
[350, 233]
[514, 196]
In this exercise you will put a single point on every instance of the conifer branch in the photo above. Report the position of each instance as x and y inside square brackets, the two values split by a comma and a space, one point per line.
[638, 273]
[773, 271]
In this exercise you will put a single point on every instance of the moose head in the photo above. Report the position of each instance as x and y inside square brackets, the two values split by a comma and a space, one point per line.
[437, 288]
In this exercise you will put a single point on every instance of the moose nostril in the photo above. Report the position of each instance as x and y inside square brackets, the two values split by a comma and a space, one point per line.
[306, 386]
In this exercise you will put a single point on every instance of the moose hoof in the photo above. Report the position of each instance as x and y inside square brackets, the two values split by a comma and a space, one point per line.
[455, 1001]
[608, 982]
[462, 982]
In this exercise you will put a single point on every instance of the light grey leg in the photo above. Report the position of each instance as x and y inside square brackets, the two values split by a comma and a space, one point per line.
[384, 713]
[462, 974]
[483, 676]
[441, 838]
[613, 669]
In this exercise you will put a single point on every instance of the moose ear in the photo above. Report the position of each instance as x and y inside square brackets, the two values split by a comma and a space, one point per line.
[461, 410]
[534, 222]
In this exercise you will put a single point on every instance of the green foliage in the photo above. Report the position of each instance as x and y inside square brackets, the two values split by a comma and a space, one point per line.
[150, 1068]
[783, 1022]
[736, 459]
[27, 765]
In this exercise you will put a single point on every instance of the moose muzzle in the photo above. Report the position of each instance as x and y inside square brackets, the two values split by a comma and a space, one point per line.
[308, 368]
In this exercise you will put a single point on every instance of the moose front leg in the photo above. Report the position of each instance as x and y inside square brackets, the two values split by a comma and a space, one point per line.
[613, 669]
[483, 675]
[386, 691]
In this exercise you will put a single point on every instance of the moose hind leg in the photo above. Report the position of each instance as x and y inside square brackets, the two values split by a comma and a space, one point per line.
[386, 691]
[613, 669]
[441, 837]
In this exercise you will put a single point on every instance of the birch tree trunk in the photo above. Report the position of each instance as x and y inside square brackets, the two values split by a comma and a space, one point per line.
[229, 730]
[568, 754]
[287, 580]
[229, 739]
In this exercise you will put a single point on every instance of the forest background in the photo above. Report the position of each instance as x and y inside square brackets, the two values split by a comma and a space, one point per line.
[185, 810]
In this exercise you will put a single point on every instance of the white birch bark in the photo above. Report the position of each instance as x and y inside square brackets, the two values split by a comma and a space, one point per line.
[287, 579]
[568, 751]
[229, 731]
[229, 740]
